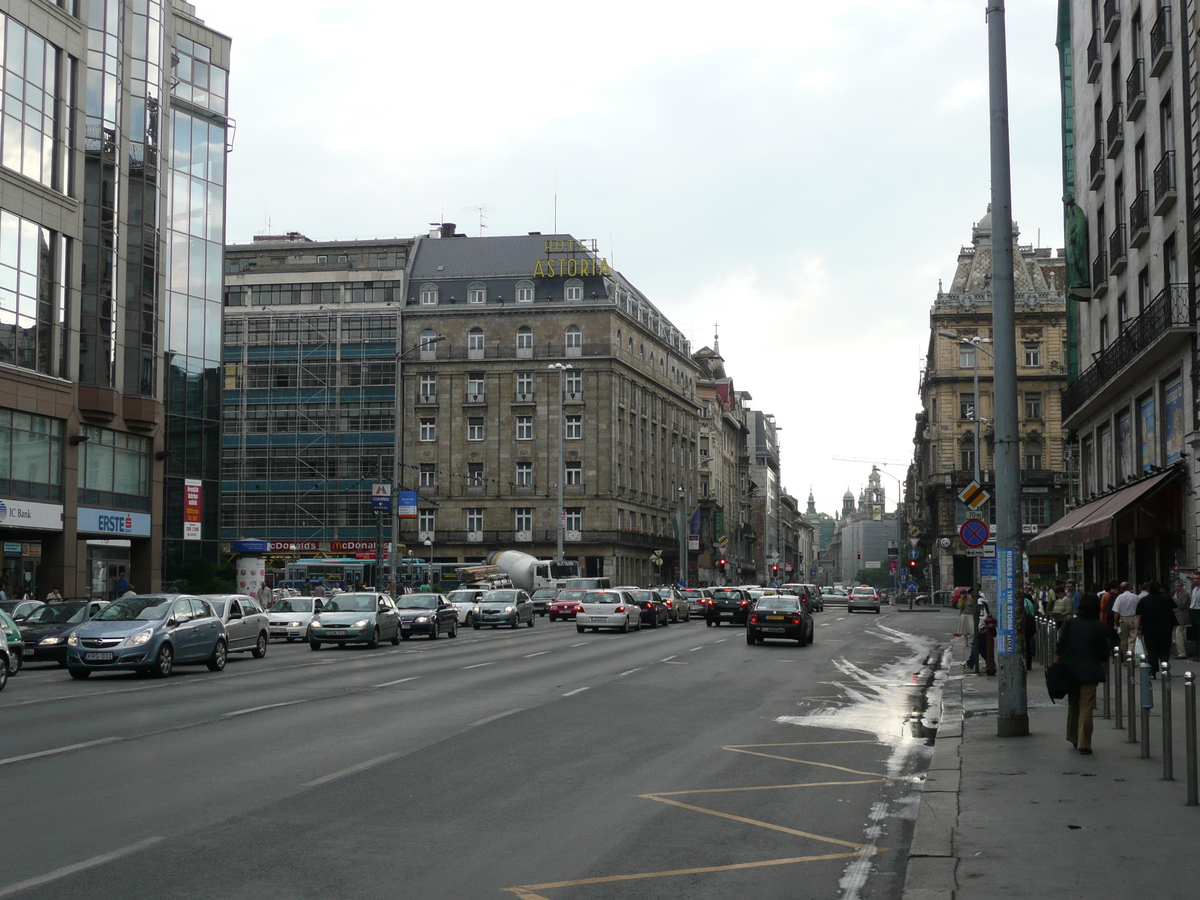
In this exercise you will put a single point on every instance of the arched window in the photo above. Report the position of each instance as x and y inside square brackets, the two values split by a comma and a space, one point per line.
[574, 339]
[1033, 456]
[428, 346]
[476, 292]
[631, 346]
[524, 291]
[429, 295]
[525, 341]
[574, 289]
[475, 343]
[618, 338]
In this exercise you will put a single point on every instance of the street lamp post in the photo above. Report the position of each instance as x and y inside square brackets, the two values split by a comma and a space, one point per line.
[683, 538]
[429, 562]
[562, 368]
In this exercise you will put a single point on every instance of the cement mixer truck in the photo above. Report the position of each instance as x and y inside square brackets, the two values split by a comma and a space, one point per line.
[530, 573]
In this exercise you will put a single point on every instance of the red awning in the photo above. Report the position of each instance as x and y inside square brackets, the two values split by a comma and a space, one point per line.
[1094, 521]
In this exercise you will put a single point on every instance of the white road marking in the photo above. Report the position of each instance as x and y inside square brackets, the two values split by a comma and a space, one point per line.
[77, 867]
[668, 659]
[721, 641]
[57, 750]
[478, 666]
[574, 692]
[630, 671]
[694, 649]
[532, 655]
[584, 644]
[398, 681]
[494, 718]
[253, 709]
[824, 624]
[325, 779]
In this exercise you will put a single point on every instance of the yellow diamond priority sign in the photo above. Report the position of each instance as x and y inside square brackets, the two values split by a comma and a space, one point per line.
[974, 495]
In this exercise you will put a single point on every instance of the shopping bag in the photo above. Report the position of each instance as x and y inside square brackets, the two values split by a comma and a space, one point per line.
[1139, 650]
[1058, 680]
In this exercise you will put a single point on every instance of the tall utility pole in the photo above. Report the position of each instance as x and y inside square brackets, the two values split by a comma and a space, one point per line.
[1012, 719]
[683, 537]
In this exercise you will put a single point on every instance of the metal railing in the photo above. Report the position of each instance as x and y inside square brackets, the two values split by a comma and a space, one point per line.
[1096, 163]
[1100, 274]
[1135, 88]
[1170, 309]
[1112, 19]
[1164, 182]
[1093, 56]
[1116, 248]
[1115, 130]
[1160, 40]
[1139, 218]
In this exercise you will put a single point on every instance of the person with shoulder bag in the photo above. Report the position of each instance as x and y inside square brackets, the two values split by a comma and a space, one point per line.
[1183, 617]
[1083, 648]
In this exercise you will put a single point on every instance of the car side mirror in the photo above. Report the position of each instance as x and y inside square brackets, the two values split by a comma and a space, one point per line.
[172, 622]
[234, 615]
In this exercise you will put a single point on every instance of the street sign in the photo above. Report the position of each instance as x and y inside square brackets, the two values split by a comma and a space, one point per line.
[381, 497]
[914, 541]
[912, 585]
[974, 495]
[914, 531]
[914, 554]
[973, 533]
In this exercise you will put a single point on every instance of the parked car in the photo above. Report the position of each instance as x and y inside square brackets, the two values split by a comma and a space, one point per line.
[247, 624]
[506, 606]
[608, 609]
[430, 614]
[16, 644]
[542, 598]
[44, 631]
[149, 633]
[834, 596]
[566, 604]
[464, 601]
[289, 617]
[863, 598]
[679, 605]
[809, 592]
[19, 609]
[361, 617]
[780, 617]
[653, 609]
[5, 657]
[728, 605]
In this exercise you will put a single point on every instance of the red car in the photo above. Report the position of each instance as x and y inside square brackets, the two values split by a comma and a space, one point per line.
[566, 604]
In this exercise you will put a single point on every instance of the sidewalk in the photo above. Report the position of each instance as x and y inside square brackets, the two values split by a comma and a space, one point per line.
[1031, 817]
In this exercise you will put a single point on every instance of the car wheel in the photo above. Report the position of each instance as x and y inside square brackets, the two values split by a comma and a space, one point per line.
[803, 639]
[516, 622]
[475, 625]
[290, 640]
[405, 635]
[79, 674]
[3, 675]
[314, 645]
[374, 641]
[812, 633]
[687, 616]
[469, 620]
[454, 629]
[708, 622]
[554, 618]
[433, 631]
[750, 639]
[530, 622]
[624, 629]
[595, 629]
[396, 636]
[163, 660]
[580, 629]
[14, 663]
[220, 655]
[654, 622]
[260, 649]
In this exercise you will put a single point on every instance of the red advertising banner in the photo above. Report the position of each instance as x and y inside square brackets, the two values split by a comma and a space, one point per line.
[191, 509]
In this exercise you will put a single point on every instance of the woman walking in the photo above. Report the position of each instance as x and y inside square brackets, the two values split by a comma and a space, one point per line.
[1083, 646]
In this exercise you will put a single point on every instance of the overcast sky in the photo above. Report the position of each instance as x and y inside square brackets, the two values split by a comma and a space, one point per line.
[799, 173]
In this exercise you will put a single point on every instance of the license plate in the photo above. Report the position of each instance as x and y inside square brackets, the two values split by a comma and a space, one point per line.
[30, 651]
[774, 618]
[727, 614]
[773, 630]
[278, 631]
[98, 657]
[336, 632]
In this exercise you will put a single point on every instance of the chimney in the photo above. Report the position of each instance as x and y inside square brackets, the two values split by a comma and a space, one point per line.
[447, 229]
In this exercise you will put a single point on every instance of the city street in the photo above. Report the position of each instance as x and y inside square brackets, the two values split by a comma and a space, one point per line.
[531, 763]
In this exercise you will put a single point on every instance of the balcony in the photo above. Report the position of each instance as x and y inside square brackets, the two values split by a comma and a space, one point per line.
[426, 400]
[1096, 164]
[1135, 89]
[474, 398]
[523, 397]
[1161, 331]
[1160, 42]
[1139, 219]
[1112, 20]
[1116, 250]
[573, 396]
[1164, 183]
[1115, 131]
[1093, 56]
[1100, 274]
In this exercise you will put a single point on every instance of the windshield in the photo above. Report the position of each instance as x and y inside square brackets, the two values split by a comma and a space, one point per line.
[351, 603]
[643, 596]
[131, 609]
[293, 605]
[543, 593]
[864, 592]
[726, 595]
[463, 596]
[783, 603]
[601, 597]
[58, 614]
[499, 597]
[419, 601]
[571, 595]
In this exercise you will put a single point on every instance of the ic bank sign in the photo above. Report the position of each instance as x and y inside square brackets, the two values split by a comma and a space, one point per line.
[114, 522]
[27, 514]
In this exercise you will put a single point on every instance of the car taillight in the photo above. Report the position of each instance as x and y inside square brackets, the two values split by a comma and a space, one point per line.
[744, 603]
[795, 620]
[619, 609]
[668, 604]
[579, 609]
[754, 618]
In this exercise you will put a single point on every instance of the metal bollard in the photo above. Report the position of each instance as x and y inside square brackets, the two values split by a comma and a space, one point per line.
[1120, 688]
[1189, 735]
[1107, 707]
[1168, 751]
[1131, 697]
[1147, 692]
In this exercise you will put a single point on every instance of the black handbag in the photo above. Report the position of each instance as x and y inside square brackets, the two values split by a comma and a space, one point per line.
[1058, 680]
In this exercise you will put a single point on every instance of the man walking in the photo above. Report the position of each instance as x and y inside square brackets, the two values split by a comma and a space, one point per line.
[1126, 609]
[1195, 612]
[1182, 598]
[1155, 620]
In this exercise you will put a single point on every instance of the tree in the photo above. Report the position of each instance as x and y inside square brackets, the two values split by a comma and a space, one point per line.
[877, 578]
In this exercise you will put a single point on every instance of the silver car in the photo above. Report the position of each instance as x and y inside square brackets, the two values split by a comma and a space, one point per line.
[247, 626]
[503, 607]
[289, 617]
[608, 609]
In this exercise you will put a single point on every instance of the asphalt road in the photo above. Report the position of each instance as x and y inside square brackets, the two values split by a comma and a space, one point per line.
[529, 763]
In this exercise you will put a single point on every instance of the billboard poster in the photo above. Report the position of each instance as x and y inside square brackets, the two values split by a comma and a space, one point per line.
[407, 506]
[1124, 446]
[191, 509]
[1006, 601]
[1173, 421]
[1148, 459]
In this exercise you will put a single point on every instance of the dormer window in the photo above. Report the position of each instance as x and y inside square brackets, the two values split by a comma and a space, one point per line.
[524, 291]
[476, 293]
[429, 295]
[574, 290]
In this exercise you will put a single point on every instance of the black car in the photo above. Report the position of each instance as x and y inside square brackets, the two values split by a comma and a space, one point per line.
[47, 628]
[4, 658]
[786, 617]
[654, 610]
[727, 605]
[430, 614]
[542, 598]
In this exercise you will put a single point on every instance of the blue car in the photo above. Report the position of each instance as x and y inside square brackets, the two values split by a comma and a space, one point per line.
[150, 634]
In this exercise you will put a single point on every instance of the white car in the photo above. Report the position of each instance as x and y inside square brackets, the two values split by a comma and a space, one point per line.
[608, 609]
[464, 600]
[863, 598]
[289, 617]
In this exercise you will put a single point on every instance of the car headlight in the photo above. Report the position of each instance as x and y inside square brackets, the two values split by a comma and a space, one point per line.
[361, 623]
[508, 609]
[73, 639]
[140, 638]
[422, 618]
[315, 621]
[50, 641]
[294, 624]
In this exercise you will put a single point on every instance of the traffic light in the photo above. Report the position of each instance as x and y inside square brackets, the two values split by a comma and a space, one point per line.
[774, 569]
[721, 564]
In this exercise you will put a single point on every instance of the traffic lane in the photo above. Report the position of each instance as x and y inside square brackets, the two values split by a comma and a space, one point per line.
[589, 760]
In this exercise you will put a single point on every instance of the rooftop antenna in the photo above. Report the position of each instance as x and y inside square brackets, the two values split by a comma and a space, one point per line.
[716, 338]
[481, 209]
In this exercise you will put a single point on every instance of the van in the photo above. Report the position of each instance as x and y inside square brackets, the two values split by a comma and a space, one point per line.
[591, 584]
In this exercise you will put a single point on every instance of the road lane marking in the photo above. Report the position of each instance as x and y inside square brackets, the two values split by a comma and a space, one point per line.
[495, 717]
[254, 709]
[67, 749]
[769, 787]
[583, 644]
[532, 655]
[399, 681]
[809, 762]
[694, 649]
[630, 671]
[669, 658]
[77, 867]
[759, 823]
[574, 692]
[325, 779]
[478, 666]
[721, 641]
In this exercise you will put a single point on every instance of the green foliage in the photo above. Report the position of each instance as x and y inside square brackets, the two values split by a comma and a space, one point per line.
[877, 578]
[198, 575]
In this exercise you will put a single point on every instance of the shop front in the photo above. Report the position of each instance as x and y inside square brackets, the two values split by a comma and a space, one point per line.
[27, 529]
[110, 536]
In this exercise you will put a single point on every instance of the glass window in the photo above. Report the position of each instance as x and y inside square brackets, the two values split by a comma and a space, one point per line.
[1033, 405]
[524, 428]
[524, 474]
[574, 290]
[574, 337]
[967, 458]
[475, 383]
[573, 381]
[31, 455]
[31, 104]
[524, 291]
[428, 475]
[525, 383]
[476, 293]
[429, 295]
[428, 385]
[425, 521]
[1033, 456]
[574, 518]
[33, 273]
[1033, 356]
[475, 474]
[523, 519]
[475, 339]
[966, 406]
[524, 338]
[966, 357]
[474, 518]
[574, 427]
[574, 473]
[475, 428]
[428, 429]
[1035, 511]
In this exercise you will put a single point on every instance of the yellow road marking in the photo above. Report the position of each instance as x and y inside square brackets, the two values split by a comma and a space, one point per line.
[765, 787]
[525, 890]
[809, 762]
[745, 821]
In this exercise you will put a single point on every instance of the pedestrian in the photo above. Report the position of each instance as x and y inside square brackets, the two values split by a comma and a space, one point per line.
[1182, 598]
[1029, 622]
[266, 596]
[1062, 608]
[966, 616]
[122, 585]
[1075, 594]
[53, 595]
[1155, 620]
[319, 590]
[1108, 618]
[979, 644]
[1083, 647]
[1125, 608]
[1195, 613]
